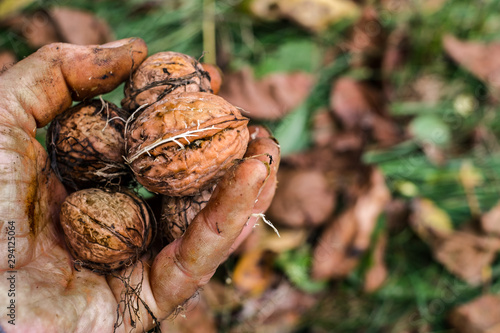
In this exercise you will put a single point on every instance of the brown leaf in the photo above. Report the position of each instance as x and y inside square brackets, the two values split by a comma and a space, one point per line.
[377, 273]
[278, 310]
[361, 107]
[271, 97]
[490, 221]
[303, 198]
[314, 15]
[221, 297]
[323, 128]
[340, 246]
[61, 24]
[368, 207]
[467, 255]
[368, 40]
[253, 273]
[481, 315]
[482, 60]
[317, 15]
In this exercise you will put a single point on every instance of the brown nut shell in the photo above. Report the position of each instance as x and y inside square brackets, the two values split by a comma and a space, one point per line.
[161, 74]
[86, 145]
[106, 230]
[185, 143]
[178, 212]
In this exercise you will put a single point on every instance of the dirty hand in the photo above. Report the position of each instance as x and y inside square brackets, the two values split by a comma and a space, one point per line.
[40, 289]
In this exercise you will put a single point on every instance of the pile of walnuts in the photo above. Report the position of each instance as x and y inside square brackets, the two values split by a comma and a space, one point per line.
[173, 136]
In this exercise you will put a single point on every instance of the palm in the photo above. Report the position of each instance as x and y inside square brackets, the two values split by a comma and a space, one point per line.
[50, 294]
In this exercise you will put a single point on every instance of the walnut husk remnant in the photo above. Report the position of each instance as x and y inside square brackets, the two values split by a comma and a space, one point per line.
[106, 230]
[178, 212]
[184, 143]
[161, 74]
[86, 145]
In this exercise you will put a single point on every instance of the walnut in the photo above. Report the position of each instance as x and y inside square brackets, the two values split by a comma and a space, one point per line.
[178, 212]
[184, 143]
[86, 145]
[161, 74]
[106, 230]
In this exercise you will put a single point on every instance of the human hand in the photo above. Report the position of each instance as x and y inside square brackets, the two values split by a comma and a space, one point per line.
[40, 289]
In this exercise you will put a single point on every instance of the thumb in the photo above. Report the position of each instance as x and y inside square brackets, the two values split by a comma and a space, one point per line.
[45, 83]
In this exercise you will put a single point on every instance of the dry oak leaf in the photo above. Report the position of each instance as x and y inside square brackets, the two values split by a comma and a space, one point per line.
[481, 315]
[268, 98]
[482, 60]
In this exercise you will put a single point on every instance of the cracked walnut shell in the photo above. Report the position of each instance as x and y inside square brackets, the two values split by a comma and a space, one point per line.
[184, 143]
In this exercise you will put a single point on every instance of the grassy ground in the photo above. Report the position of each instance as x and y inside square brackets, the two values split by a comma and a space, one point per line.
[419, 292]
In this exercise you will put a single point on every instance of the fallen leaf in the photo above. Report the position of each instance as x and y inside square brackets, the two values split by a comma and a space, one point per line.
[490, 221]
[253, 273]
[221, 297]
[482, 60]
[481, 315]
[332, 256]
[303, 198]
[368, 39]
[429, 221]
[361, 108]
[314, 15]
[467, 255]
[342, 243]
[368, 208]
[269, 98]
[288, 240]
[60, 24]
[377, 273]
[278, 310]
[323, 128]
[410, 7]
[318, 15]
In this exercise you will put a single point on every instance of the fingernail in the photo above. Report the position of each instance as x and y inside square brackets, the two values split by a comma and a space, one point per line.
[118, 43]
